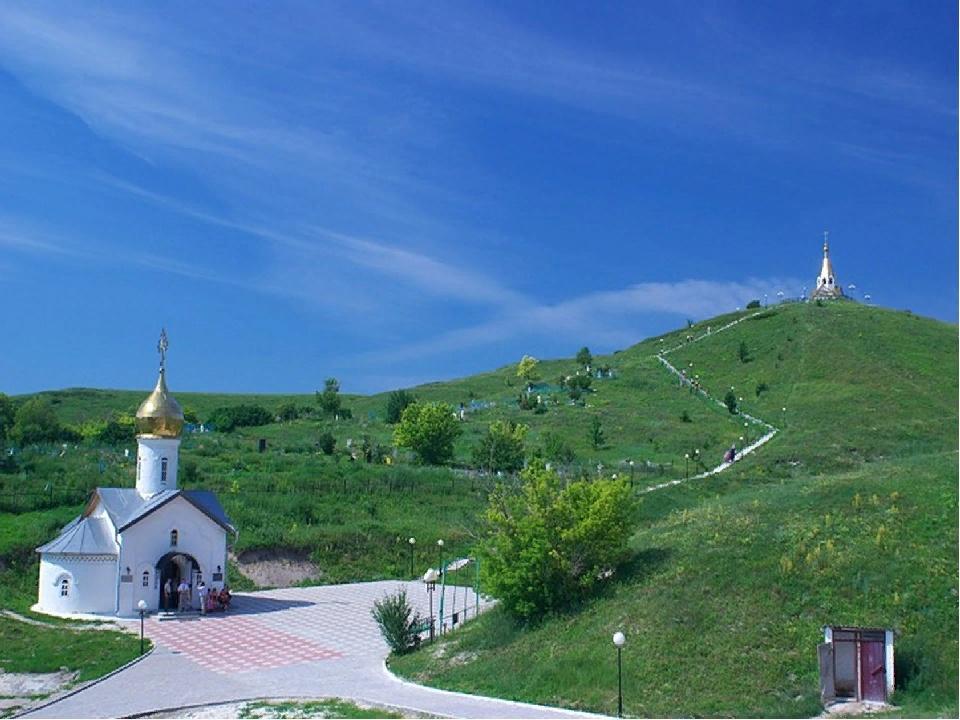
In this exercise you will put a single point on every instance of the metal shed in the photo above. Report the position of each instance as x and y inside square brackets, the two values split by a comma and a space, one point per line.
[856, 663]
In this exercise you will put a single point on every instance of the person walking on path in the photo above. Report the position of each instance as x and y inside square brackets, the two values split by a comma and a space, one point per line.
[202, 592]
[183, 590]
[167, 593]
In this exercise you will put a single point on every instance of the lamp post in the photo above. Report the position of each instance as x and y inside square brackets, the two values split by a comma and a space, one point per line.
[618, 640]
[631, 473]
[440, 555]
[142, 607]
[746, 430]
[430, 580]
[686, 466]
[412, 542]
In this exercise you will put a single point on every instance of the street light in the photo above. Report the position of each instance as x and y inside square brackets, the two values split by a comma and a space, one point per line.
[440, 552]
[142, 607]
[784, 416]
[686, 466]
[746, 430]
[430, 578]
[412, 541]
[619, 639]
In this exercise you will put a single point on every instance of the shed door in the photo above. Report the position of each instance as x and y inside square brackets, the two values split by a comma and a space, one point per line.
[873, 680]
[828, 692]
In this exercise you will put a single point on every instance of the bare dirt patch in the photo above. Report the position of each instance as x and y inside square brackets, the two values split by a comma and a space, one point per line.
[277, 567]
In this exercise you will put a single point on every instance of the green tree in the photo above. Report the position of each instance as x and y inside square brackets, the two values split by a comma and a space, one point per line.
[578, 385]
[227, 419]
[429, 429]
[584, 358]
[329, 399]
[597, 438]
[527, 369]
[548, 546]
[743, 352]
[557, 449]
[288, 411]
[36, 422]
[8, 415]
[397, 402]
[190, 416]
[730, 400]
[501, 448]
[118, 431]
[327, 442]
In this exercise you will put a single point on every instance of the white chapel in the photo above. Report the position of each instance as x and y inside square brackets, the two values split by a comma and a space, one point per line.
[129, 541]
[827, 286]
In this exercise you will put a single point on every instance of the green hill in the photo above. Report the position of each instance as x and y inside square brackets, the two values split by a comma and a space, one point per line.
[847, 516]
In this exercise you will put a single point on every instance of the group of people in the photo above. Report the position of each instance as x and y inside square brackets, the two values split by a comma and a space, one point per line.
[210, 598]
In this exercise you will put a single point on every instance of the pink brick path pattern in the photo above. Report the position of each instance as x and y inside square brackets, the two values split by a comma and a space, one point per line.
[235, 644]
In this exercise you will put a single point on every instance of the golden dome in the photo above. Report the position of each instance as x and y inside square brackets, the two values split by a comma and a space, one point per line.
[160, 415]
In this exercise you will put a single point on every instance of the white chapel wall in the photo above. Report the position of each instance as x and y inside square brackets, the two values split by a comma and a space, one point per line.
[148, 540]
[90, 583]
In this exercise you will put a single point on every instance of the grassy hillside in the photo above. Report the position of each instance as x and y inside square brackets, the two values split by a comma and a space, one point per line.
[847, 516]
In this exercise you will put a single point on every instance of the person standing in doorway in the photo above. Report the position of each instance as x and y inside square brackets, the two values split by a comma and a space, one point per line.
[202, 592]
[183, 590]
[167, 593]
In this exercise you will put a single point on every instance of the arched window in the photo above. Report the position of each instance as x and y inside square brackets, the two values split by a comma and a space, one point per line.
[174, 537]
[163, 471]
[146, 578]
[65, 587]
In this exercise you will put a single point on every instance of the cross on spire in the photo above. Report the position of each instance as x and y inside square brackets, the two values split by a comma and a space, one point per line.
[162, 346]
[826, 237]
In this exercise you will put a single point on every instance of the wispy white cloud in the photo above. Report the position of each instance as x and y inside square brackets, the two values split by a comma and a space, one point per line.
[606, 319]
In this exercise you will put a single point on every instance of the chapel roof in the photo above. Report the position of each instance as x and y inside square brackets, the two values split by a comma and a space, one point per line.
[83, 536]
[126, 506]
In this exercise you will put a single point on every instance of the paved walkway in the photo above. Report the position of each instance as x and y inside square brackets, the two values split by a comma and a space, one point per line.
[683, 379]
[295, 642]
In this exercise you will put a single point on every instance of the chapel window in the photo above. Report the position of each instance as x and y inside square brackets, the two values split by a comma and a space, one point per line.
[65, 587]
[174, 537]
[146, 578]
[163, 471]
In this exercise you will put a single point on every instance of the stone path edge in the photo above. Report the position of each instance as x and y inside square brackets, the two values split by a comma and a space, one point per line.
[468, 696]
[88, 684]
[268, 698]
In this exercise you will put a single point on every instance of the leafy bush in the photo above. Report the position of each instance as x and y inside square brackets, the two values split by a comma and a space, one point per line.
[743, 352]
[327, 442]
[501, 448]
[557, 449]
[397, 402]
[118, 431]
[527, 368]
[227, 419]
[549, 546]
[685, 417]
[36, 422]
[288, 411]
[597, 438]
[584, 358]
[8, 414]
[762, 387]
[730, 400]
[753, 304]
[397, 621]
[429, 429]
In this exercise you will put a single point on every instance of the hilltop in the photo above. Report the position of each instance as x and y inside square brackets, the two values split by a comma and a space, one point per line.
[848, 515]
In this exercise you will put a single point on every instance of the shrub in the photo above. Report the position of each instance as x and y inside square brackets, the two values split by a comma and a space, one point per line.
[501, 448]
[597, 438]
[730, 400]
[557, 449]
[288, 411]
[397, 402]
[227, 419]
[743, 352]
[584, 357]
[118, 431]
[753, 304]
[36, 422]
[762, 387]
[429, 429]
[685, 417]
[549, 546]
[397, 622]
[327, 442]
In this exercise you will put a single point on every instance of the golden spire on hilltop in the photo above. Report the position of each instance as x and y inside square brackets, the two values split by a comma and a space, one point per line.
[160, 415]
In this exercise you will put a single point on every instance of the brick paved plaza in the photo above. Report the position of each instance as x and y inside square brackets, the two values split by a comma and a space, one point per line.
[294, 642]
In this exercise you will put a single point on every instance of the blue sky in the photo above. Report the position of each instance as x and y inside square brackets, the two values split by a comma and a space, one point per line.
[392, 193]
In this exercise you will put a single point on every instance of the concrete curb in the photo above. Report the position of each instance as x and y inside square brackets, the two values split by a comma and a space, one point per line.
[274, 698]
[468, 696]
[88, 684]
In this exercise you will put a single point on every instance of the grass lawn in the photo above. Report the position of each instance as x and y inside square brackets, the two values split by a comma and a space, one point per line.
[327, 708]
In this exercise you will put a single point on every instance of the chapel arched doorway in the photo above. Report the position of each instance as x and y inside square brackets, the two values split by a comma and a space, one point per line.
[176, 566]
